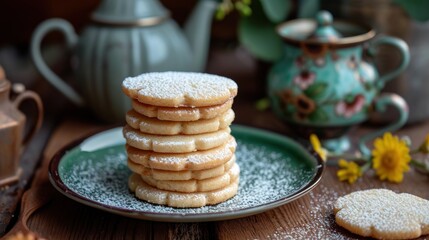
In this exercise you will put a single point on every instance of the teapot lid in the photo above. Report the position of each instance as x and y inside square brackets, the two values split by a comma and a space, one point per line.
[324, 30]
[130, 13]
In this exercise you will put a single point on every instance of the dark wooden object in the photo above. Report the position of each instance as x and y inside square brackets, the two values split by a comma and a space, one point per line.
[10, 196]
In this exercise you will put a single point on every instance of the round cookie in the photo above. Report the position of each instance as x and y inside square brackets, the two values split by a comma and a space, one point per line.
[179, 89]
[189, 186]
[181, 113]
[159, 127]
[150, 194]
[175, 143]
[198, 160]
[181, 175]
[383, 214]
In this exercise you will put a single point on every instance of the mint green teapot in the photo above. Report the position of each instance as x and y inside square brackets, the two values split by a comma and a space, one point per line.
[324, 85]
[125, 38]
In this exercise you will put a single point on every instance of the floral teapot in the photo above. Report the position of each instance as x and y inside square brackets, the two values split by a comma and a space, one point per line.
[125, 38]
[323, 85]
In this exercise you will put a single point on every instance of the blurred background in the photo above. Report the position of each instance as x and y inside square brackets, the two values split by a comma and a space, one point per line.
[231, 52]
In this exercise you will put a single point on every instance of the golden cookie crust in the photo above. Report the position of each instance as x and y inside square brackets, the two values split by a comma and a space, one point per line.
[175, 143]
[181, 175]
[198, 160]
[150, 194]
[160, 127]
[189, 186]
[181, 113]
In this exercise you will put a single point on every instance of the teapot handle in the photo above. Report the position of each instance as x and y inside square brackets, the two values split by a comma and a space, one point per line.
[403, 50]
[38, 122]
[380, 104]
[71, 39]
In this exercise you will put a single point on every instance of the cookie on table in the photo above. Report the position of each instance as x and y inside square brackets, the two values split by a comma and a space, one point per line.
[383, 214]
[159, 127]
[198, 160]
[175, 143]
[181, 113]
[158, 174]
[150, 194]
[180, 89]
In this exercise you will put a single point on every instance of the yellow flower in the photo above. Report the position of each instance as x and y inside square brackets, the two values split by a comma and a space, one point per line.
[424, 148]
[390, 158]
[315, 142]
[350, 171]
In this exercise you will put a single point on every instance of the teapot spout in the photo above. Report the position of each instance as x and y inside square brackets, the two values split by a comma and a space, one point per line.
[197, 30]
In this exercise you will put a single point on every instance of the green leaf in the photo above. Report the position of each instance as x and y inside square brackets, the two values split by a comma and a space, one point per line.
[276, 10]
[243, 9]
[416, 9]
[258, 35]
[316, 90]
[308, 8]
[350, 97]
[318, 116]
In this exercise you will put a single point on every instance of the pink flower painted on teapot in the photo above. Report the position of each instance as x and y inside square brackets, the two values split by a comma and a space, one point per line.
[304, 79]
[348, 109]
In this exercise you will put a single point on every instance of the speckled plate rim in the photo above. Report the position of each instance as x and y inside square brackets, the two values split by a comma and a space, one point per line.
[319, 167]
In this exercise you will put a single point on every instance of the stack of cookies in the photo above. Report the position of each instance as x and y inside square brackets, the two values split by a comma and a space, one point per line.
[178, 139]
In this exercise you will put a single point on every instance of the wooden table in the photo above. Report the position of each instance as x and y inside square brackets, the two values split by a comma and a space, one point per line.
[51, 215]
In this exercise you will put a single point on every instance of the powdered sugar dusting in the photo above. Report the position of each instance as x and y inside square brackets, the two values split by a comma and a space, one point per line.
[321, 222]
[266, 176]
[180, 88]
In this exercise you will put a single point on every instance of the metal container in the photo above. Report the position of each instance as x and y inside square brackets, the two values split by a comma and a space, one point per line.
[12, 123]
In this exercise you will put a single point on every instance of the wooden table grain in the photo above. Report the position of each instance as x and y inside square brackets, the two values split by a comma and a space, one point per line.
[51, 215]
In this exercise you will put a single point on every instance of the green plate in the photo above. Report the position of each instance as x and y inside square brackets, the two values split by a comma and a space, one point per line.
[274, 171]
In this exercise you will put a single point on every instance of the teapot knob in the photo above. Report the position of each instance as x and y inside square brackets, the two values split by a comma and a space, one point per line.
[324, 30]
[324, 18]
